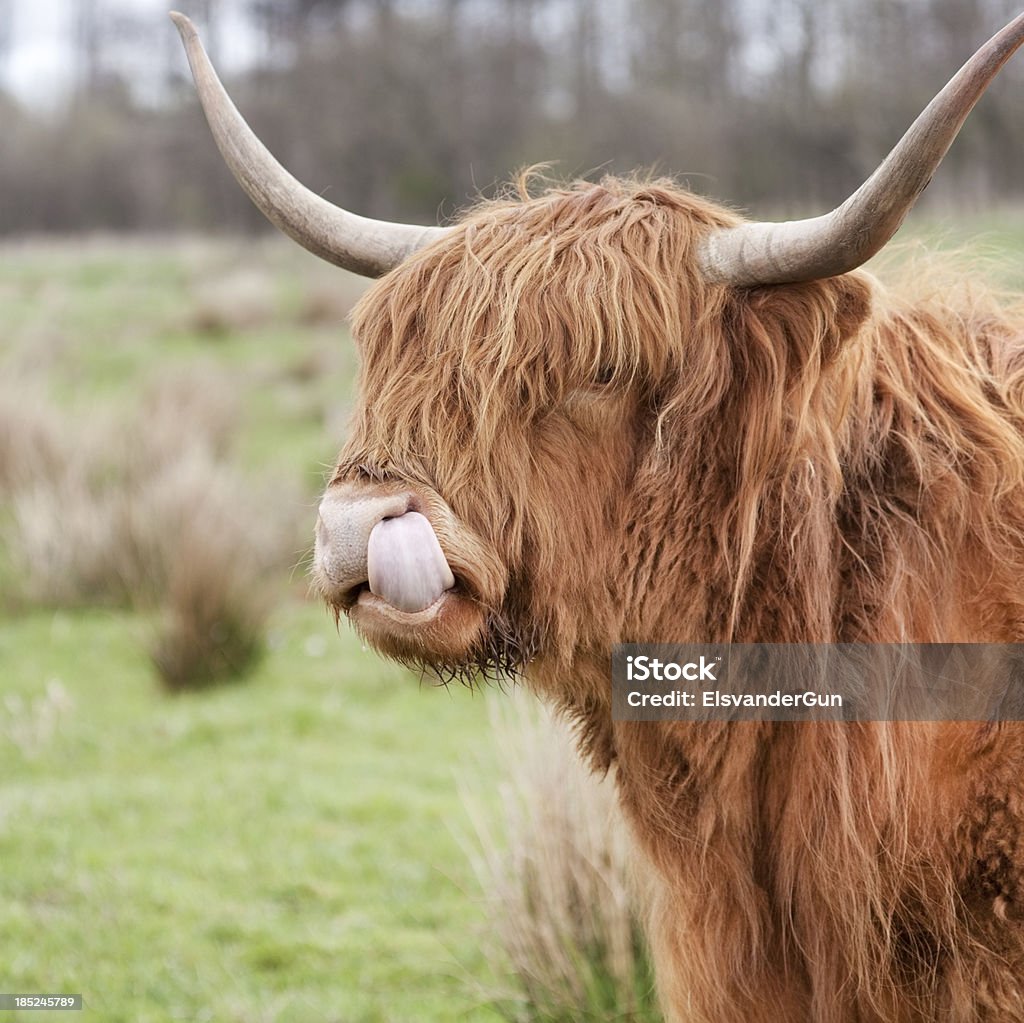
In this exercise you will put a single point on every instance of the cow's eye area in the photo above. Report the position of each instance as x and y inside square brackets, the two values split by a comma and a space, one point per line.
[600, 385]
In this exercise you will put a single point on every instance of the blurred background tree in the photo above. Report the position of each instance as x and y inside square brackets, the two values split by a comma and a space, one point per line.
[410, 108]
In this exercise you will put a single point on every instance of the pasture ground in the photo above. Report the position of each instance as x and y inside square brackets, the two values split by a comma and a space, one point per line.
[282, 848]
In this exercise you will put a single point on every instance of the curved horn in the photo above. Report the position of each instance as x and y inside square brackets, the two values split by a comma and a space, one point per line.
[367, 247]
[804, 250]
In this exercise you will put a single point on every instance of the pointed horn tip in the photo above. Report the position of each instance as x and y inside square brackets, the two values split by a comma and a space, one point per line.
[184, 24]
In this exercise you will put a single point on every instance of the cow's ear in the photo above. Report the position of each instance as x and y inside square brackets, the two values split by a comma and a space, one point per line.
[812, 320]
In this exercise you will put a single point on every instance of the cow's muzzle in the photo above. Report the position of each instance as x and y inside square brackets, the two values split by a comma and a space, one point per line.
[381, 543]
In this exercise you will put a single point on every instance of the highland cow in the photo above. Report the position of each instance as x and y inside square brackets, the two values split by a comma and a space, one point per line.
[617, 412]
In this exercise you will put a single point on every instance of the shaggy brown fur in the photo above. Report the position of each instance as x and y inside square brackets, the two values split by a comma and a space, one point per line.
[628, 454]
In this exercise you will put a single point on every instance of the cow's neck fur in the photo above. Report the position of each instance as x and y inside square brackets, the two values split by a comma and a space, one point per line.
[832, 872]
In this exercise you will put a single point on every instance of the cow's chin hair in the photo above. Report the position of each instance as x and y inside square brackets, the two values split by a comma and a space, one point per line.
[466, 645]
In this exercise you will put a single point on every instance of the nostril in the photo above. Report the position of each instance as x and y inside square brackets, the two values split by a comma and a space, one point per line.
[342, 531]
[323, 536]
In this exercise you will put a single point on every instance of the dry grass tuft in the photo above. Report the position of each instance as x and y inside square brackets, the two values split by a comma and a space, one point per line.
[238, 300]
[143, 509]
[327, 300]
[30, 441]
[189, 409]
[68, 545]
[214, 617]
[219, 539]
[88, 503]
[557, 874]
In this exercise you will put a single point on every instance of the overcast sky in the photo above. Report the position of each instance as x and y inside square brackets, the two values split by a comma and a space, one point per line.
[40, 65]
[39, 59]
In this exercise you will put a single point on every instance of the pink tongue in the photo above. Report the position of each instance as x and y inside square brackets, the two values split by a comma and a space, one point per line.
[405, 564]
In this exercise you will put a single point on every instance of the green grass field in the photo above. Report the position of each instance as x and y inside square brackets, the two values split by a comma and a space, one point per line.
[280, 848]
[276, 849]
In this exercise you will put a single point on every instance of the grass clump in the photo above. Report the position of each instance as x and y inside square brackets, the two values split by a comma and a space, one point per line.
[30, 442]
[238, 300]
[556, 869]
[217, 557]
[144, 509]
